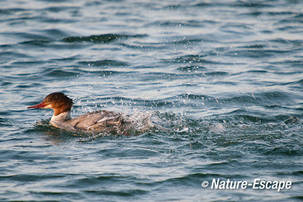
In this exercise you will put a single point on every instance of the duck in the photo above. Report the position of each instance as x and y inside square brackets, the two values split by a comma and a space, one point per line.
[101, 121]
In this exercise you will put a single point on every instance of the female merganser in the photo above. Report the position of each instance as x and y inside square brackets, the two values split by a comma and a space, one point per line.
[94, 122]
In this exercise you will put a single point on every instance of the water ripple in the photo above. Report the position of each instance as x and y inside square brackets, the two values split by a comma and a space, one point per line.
[102, 38]
[101, 63]
[221, 79]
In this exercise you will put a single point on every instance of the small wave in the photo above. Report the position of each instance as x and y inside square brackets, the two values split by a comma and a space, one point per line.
[300, 82]
[252, 4]
[60, 73]
[10, 54]
[291, 63]
[4, 122]
[192, 68]
[167, 23]
[56, 9]
[257, 71]
[8, 11]
[284, 150]
[31, 177]
[293, 19]
[54, 33]
[196, 59]
[144, 46]
[256, 53]
[252, 118]
[186, 42]
[253, 46]
[216, 73]
[102, 38]
[36, 42]
[106, 73]
[295, 42]
[101, 63]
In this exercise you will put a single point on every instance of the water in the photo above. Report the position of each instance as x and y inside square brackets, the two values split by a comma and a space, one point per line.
[224, 76]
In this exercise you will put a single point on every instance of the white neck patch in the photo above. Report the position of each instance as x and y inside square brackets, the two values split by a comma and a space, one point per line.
[61, 117]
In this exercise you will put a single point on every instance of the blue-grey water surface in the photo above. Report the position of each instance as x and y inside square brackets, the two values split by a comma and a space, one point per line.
[225, 77]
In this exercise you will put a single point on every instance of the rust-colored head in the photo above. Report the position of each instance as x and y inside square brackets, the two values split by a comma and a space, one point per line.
[57, 101]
